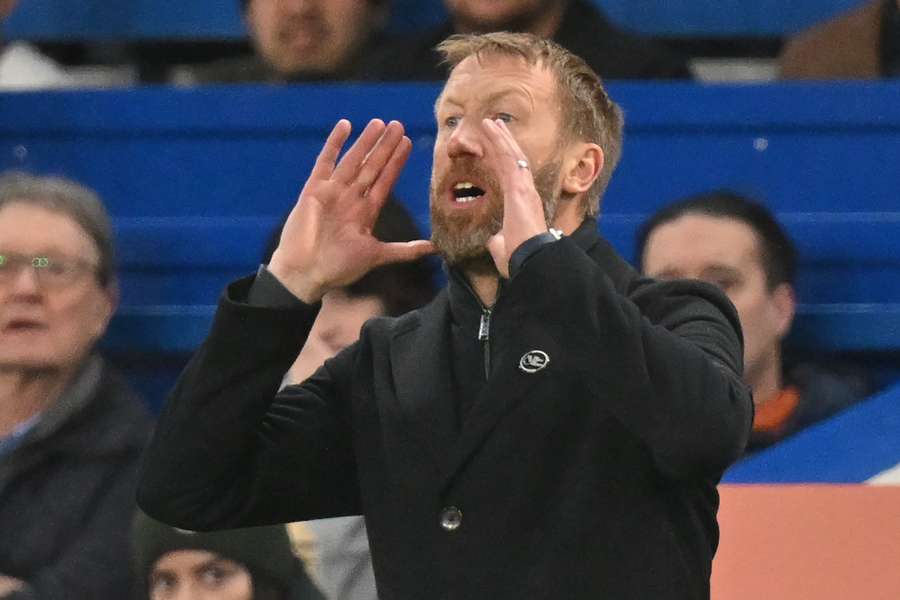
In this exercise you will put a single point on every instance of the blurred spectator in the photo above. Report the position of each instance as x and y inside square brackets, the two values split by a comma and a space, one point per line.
[338, 549]
[23, 67]
[861, 44]
[577, 25]
[241, 564]
[299, 40]
[736, 244]
[71, 431]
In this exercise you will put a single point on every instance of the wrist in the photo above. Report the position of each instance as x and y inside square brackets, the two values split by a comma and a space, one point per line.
[301, 284]
[529, 247]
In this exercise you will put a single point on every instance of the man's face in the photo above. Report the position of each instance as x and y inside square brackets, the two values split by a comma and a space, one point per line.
[726, 252]
[494, 15]
[337, 326]
[466, 200]
[308, 36]
[44, 325]
[199, 575]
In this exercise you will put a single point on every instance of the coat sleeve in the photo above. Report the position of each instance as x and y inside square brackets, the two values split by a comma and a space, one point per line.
[230, 450]
[666, 357]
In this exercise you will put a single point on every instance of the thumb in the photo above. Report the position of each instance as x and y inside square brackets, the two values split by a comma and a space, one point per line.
[394, 252]
[496, 245]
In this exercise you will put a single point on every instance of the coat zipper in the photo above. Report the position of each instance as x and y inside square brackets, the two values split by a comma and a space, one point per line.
[484, 336]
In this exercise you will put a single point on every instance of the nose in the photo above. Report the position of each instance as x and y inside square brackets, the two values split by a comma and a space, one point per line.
[466, 140]
[187, 591]
[25, 283]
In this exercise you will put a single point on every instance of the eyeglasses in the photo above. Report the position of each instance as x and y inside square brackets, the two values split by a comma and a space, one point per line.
[51, 272]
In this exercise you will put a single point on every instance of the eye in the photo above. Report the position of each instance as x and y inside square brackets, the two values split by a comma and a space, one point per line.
[451, 122]
[162, 585]
[505, 117]
[57, 267]
[216, 575]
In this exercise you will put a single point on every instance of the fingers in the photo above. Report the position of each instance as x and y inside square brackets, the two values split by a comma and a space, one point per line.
[381, 154]
[504, 146]
[347, 170]
[387, 177]
[393, 252]
[331, 150]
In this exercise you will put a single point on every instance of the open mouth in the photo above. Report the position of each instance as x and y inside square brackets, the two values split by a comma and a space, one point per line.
[465, 191]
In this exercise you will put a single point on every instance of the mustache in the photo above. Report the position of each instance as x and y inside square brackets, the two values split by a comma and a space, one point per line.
[308, 21]
[464, 169]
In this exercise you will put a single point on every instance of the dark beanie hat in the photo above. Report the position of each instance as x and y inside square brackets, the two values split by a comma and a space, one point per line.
[264, 551]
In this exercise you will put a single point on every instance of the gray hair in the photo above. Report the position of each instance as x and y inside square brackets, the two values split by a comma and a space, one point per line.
[73, 200]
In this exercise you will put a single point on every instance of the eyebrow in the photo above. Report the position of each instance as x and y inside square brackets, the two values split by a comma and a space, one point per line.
[710, 271]
[52, 251]
[721, 270]
[491, 98]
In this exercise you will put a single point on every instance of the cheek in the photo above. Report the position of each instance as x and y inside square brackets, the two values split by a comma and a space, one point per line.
[756, 321]
[239, 587]
[263, 24]
[81, 317]
[346, 24]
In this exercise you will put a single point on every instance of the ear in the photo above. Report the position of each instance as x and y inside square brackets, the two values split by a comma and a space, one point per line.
[785, 302]
[581, 167]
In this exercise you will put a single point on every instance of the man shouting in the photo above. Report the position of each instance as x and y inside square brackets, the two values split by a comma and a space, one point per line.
[552, 425]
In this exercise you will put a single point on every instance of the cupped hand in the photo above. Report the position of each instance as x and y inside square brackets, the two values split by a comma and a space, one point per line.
[523, 211]
[327, 241]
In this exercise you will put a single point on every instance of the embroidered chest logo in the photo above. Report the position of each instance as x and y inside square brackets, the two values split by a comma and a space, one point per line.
[533, 361]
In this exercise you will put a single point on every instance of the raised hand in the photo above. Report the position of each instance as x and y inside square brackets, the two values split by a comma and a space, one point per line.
[327, 241]
[523, 211]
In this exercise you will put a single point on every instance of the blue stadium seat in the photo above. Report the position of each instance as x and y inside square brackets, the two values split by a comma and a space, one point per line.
[197, 178]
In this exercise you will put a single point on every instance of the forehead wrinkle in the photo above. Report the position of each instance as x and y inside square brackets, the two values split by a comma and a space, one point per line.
[509, 80]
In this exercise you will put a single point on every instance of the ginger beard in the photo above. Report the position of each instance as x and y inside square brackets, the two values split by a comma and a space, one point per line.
[461, 236]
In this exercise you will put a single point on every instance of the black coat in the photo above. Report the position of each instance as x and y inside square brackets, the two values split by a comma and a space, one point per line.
[611, 52]
[593, 477]
[67, 494]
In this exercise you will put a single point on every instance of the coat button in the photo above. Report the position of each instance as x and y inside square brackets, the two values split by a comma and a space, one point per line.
[451, 518]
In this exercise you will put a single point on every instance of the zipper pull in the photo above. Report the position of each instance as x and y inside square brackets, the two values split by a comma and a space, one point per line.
[484, 327]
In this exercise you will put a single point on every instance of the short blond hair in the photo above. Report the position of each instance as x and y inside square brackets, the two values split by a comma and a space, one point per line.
[588, 113]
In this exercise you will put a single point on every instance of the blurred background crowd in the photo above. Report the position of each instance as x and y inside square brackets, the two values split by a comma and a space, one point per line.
[797, 219]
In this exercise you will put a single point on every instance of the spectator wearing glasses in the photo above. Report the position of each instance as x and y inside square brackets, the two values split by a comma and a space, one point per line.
[70, 430]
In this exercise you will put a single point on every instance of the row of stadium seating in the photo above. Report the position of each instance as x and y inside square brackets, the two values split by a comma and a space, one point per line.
[196, 179]
[95, 20]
